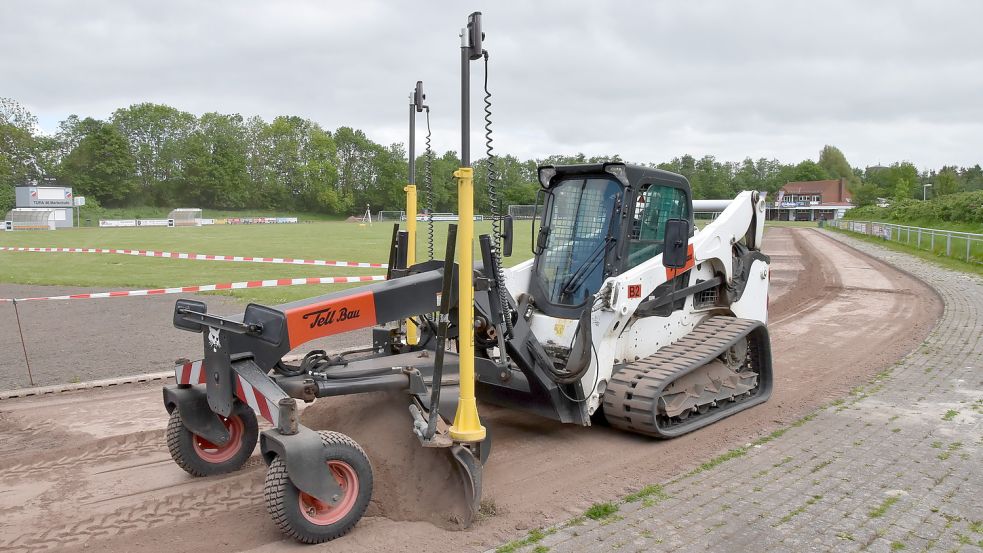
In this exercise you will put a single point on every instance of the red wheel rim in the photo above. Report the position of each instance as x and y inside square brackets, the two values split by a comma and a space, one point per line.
[212, 453]
[320, 513]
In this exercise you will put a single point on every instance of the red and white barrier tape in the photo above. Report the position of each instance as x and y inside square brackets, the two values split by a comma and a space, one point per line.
[200, 257]
[208, 288]
[194, 373]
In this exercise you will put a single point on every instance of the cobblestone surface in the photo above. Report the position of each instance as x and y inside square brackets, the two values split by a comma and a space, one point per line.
[895, 466]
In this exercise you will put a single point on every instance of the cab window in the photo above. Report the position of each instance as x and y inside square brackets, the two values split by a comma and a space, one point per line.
[656, 204]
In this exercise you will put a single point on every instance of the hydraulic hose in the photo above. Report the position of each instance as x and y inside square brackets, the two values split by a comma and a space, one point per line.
[503, 294]
[428, 189]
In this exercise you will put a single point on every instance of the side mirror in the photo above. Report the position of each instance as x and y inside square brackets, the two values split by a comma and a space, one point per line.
[507, 237]
[676, 244]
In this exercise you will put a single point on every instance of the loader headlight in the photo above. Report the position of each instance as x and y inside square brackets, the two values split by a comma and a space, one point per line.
[546, 174]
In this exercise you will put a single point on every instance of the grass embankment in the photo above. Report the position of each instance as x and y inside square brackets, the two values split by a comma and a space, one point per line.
[337, 241]
[962, 212]
[938, 256]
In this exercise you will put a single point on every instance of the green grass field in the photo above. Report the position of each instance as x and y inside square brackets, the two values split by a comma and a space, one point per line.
[337, 241]
[334, 240]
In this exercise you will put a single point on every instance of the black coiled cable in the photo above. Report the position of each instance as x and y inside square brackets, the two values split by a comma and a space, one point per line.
[503, 294]
[428, 190]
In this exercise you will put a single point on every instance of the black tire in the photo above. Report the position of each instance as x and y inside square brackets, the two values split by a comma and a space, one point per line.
[198, 457]
[345, 461]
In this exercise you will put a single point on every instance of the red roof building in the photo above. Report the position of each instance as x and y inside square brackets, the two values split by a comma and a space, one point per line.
[811, 201]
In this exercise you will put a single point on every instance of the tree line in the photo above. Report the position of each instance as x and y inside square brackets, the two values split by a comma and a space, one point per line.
[156, 155]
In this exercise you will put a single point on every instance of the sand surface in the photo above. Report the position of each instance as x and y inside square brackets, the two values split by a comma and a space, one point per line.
[88, 471]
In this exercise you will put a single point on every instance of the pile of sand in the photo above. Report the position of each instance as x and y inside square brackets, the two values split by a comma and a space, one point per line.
[411, 482]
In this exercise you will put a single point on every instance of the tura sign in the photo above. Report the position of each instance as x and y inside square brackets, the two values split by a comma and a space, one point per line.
[44, 196]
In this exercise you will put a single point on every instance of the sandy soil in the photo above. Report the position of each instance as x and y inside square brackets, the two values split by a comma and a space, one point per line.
[89, 470]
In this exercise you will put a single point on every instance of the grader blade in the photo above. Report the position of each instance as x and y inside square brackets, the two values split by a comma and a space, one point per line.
[470, 471]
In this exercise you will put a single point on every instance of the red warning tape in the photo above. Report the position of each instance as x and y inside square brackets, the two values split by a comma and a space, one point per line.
[200, 257]
[207, 288]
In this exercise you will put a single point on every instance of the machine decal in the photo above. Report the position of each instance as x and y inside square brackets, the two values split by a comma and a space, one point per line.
[673, 273]
[634, 291]
[213, 339]
[330, 317]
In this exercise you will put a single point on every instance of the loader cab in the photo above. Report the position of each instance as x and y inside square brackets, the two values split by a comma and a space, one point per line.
[597, 221]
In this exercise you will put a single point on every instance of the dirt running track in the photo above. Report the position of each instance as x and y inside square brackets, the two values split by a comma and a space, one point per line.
[88, 471]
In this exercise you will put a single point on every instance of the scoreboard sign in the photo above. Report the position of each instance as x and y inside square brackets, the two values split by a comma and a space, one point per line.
[44, 196]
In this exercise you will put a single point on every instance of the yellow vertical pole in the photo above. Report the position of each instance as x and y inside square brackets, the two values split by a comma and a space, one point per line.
[467, 427]
[411, 330]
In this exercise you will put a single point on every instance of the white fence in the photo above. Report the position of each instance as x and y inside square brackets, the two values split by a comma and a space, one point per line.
[121, 223]
[961, 245]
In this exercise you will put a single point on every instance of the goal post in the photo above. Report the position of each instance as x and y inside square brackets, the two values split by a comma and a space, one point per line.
[522, 211]
[392, 216]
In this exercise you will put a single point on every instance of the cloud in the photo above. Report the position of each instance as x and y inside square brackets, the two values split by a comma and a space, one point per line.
[884, 81]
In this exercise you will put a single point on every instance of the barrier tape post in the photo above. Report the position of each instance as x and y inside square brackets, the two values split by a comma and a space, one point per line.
[23, 345]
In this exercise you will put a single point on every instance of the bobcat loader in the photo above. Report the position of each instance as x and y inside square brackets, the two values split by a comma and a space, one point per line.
[625, 311]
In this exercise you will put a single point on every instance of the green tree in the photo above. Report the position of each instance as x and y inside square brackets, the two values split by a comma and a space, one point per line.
[808, 170]
[902, 189]
[212, 165]
[300, 167]
[101, 166]
[154, 133]
[832, 160]
[946, 182]
[355, 167]
[25, 155]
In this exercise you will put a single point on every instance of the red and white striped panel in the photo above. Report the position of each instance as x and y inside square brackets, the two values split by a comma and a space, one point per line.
[209, 288]
[255, 399]
[190, 373]
[194, 373]
[201, 257]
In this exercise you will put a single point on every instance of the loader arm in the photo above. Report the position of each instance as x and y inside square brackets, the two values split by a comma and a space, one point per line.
[742, 217]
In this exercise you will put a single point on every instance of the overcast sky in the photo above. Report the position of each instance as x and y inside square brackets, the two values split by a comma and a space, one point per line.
[883, 81]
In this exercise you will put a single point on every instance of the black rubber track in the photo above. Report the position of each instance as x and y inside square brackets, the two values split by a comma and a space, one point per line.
[630, 401]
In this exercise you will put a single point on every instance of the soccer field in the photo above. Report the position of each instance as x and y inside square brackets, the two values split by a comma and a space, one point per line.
[333, 241]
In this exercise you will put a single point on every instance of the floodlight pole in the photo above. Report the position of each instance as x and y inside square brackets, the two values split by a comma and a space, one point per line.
[925, 189]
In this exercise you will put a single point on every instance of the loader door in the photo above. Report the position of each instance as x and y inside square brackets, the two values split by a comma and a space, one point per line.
[656, 204]
[577, 238]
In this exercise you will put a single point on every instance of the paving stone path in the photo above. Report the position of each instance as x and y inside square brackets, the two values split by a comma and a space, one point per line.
[896, 466]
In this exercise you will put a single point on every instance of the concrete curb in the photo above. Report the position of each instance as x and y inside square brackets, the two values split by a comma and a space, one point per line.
[103, 383]
[106, 382]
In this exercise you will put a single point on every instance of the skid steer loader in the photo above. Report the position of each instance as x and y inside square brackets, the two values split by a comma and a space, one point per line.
[625, 310]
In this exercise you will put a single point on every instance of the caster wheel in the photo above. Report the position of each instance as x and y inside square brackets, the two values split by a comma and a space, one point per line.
[308, 520]
[199, 457]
